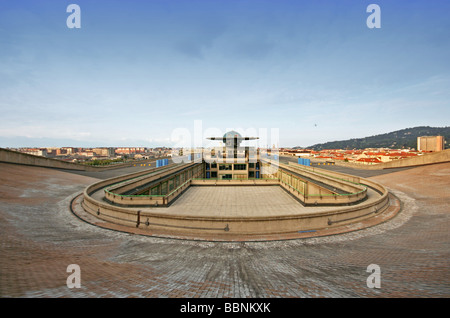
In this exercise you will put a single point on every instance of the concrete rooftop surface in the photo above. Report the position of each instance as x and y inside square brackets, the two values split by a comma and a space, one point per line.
[40, 237]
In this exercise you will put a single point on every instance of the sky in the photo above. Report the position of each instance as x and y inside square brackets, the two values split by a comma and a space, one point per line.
[137, 73]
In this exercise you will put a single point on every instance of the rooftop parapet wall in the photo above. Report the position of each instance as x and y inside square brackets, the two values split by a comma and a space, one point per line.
[429, 158]
[11, 156]
[339, 183]
[114, 194]
[335, 174]
[124, 186]
[425, 159]
[346, 183]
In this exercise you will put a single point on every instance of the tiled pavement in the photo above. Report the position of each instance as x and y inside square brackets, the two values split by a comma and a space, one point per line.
[39, 238]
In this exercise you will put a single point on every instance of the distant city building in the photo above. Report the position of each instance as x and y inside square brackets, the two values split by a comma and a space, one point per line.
[430, 143]
[86, 153]
[104, 152]
[130, 150]
[36, 152]
[67, 150]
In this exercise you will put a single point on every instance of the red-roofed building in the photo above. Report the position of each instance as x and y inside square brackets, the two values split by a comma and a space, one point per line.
[368, 161]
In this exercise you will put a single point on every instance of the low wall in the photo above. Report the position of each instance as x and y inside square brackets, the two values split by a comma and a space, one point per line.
[125, 186]
[340, 183]
[335, 174]
[317, 195]
[15, 157]
[26, 159]
[429, 158]
[114, 193]
[426, 159]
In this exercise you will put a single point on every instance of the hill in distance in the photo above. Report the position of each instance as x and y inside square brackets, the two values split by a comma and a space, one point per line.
[405, 138]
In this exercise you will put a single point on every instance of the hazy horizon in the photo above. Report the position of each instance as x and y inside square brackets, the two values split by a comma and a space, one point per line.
[49, 143]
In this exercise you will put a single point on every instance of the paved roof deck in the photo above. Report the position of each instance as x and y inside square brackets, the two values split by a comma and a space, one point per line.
[249, 201]
[240, 201]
